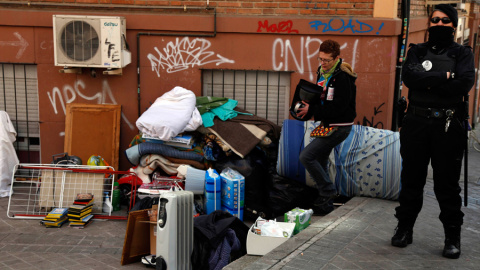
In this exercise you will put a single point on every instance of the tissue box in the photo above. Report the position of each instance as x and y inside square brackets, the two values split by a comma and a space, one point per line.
[302, 218]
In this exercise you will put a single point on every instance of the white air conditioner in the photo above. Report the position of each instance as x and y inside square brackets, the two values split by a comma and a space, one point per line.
[90, 41]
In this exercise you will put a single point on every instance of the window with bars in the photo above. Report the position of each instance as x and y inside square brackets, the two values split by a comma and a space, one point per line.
[19, 98]
[263, 93]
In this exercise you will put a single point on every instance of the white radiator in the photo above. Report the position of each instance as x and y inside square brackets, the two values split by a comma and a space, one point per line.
[175, 230]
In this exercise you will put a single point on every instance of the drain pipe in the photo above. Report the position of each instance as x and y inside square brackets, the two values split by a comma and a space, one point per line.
[402, 49]
[169, 34]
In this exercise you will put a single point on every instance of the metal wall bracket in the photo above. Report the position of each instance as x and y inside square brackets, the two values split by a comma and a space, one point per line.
[115, 71]
[76, 70]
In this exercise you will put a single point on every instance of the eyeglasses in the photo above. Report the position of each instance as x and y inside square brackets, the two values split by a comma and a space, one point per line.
[445, 20]
[324, 60]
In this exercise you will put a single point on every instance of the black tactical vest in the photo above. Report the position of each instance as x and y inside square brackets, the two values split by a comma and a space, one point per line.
[433, 62]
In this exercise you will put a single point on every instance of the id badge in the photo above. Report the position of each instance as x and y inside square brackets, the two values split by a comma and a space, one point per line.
[330, 93]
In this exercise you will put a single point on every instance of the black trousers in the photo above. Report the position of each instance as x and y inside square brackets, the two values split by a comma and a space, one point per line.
[424, 140]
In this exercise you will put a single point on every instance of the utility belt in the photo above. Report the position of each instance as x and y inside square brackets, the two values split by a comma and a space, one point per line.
[431, 112]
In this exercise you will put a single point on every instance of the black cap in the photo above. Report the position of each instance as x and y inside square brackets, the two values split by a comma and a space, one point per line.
[450, 11]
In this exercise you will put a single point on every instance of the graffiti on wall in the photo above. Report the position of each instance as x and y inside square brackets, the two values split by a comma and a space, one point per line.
[112, 52]
[303, 56]
[183, 54]
[372, 123]
[281, 27]
[340, 25]
[69, 93]
[306, 57]
[20, 42]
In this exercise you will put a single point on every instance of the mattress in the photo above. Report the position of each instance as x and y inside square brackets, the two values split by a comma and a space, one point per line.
[367, 163]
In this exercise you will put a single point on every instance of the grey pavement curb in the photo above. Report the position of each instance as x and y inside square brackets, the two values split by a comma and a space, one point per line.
[295, 246]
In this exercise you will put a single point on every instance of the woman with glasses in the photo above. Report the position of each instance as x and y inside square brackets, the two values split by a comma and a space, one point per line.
[336, 111]
[438, 73]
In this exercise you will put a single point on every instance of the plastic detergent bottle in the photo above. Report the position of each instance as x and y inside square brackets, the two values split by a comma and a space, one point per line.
[212, 191]
[116, 197]
[107, 204]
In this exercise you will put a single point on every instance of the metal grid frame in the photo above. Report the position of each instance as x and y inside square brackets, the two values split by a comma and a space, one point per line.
[38, 188]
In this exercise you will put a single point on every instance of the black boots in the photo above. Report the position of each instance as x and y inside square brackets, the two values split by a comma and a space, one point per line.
[322, 206]
[402, 237]
[403, 233]
[452, 242]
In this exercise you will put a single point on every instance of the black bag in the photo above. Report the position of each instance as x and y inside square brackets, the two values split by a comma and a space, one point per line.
[308, 92]
[286, 194]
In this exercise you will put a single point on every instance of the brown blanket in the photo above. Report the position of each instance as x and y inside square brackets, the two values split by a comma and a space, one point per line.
[271, 128]
[240, 139]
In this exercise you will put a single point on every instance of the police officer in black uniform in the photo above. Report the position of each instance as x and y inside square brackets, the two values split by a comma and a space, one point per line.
[438, 73]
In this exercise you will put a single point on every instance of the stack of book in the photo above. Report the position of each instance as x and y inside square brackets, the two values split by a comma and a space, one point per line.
[56, 218]
[83, 199]
[181, 140]
[79, 214]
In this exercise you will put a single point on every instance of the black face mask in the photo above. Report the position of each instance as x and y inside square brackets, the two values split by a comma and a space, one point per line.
[440, 36]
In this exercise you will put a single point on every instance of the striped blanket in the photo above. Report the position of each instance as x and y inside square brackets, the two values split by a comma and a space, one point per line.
[367, 163]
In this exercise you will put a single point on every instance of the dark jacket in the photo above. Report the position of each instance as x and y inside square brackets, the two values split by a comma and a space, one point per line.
[432, 88]
[209, 233]
[342, 109]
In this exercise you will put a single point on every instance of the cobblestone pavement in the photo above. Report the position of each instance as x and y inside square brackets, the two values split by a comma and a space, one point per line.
[25, 244]
[354, 236]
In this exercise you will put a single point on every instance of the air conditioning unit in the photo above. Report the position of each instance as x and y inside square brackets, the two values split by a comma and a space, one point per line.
[90, 41]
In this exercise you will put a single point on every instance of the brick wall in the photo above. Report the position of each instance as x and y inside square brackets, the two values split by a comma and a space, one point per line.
[357, 8]
[417, 8]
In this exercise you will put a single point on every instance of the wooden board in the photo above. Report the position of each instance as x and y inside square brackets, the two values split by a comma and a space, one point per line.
[93, 129]
[137, 237]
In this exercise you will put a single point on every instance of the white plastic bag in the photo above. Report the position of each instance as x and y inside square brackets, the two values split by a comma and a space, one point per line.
[271, 228]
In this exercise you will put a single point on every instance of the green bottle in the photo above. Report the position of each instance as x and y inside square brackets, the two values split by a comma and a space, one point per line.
[116, 197]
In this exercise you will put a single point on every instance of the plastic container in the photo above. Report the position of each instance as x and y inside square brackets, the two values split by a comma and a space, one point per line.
[107, 204]
[233, 189]
[116, 197]
[301, 218]
[213, 191]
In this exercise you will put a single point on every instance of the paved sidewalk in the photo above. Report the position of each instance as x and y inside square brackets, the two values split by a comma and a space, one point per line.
[357, 236]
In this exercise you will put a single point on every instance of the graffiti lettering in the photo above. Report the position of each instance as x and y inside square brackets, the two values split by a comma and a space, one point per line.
[184, 54]
[339, 25]
[366, 122]
[20, 42]
[46, 45]
[112, 52]
[282, 27]
[283, 51]
[70, 93]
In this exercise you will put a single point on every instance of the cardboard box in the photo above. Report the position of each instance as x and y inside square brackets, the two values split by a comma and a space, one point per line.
[137, 237]
[153, 238]
[153, 213]
[261, 245]
[152, 222]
